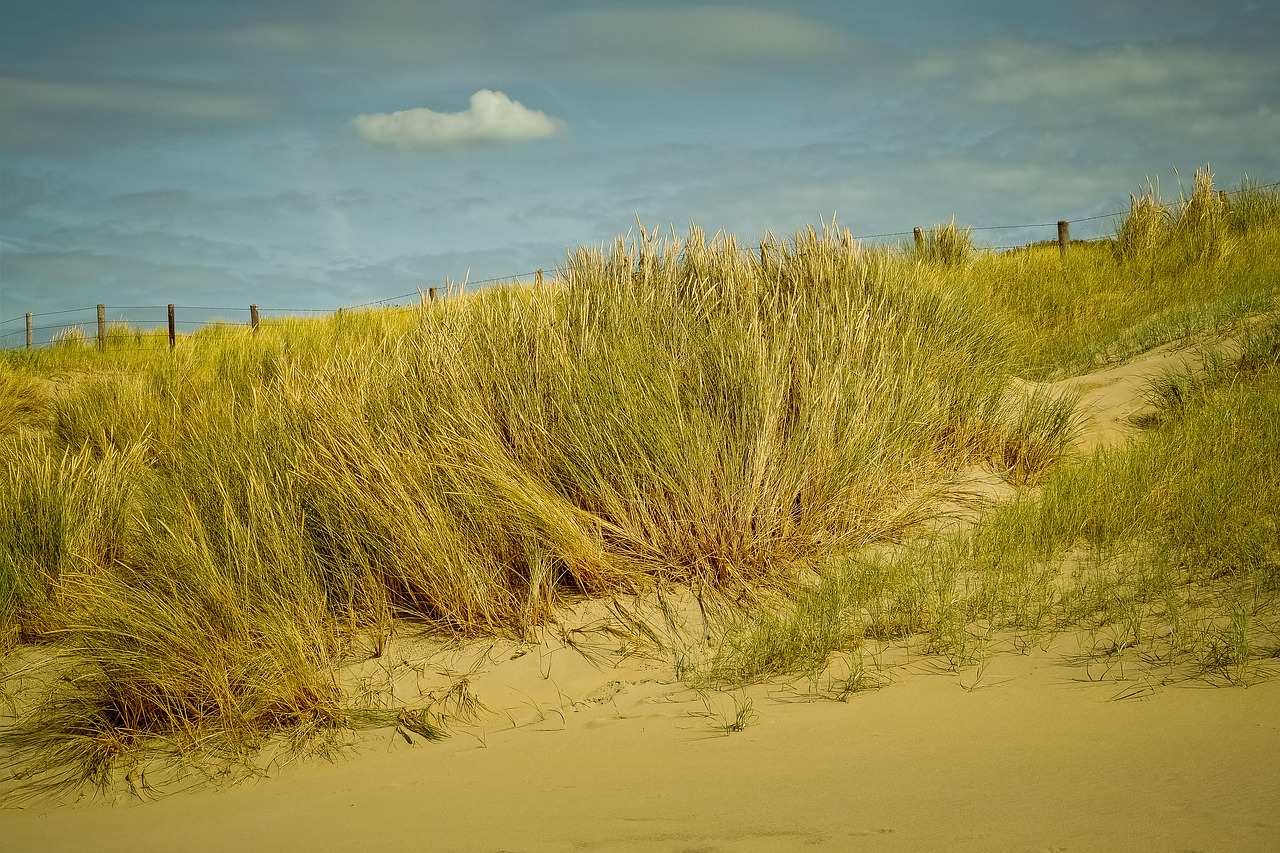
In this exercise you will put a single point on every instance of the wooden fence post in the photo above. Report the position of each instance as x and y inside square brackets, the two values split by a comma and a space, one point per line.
[918, 233]
[1064, 235]
[173, 332]
[253, 318]
[102, 327]
[28, 330]
[432, 294]
[537, 279]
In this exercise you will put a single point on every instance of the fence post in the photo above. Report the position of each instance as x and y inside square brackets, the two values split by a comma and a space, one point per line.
[537, 279]
[173, 336]
[1064, 235]
[431, 294]
[102, 327]
[253, 318]
[1223, 196]
[919, 235]
[28, 330]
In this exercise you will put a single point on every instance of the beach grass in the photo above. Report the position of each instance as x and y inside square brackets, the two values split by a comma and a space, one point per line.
[199, 538]
[1166, 547]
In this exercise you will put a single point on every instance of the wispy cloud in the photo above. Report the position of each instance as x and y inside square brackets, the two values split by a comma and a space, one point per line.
[1171, 81]
[133, 97]
[491, 117]
[44, 113]
[699, 34]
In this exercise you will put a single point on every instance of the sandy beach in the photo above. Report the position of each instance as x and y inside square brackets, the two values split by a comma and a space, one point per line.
[1028, 754]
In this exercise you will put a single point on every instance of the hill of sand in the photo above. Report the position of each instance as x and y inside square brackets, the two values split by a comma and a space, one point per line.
[581, 749]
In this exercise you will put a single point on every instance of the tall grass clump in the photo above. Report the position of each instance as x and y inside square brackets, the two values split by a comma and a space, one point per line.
[58, 514]
[202, 628]
[1166, 550]
[1039, 427]
[1196, 229]
[947, 244]
[23, 403]
[680, 410]
[185, 652]
[1145, 228]
[71, 338]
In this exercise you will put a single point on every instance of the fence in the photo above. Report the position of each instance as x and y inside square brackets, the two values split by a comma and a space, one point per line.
[29, 331]
[917, 234]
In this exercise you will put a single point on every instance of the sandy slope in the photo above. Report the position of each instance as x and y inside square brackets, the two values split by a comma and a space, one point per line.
[1031, 753]
[1033, 759]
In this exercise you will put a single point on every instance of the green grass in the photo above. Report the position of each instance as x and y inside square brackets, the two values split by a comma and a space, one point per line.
[1170, 272]
[1167, 547]
[204, 536]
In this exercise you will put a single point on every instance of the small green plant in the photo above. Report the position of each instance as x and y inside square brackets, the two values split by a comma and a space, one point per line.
[1038, 429]
[728, 722]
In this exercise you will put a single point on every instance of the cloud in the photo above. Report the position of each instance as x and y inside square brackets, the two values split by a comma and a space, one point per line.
[1020, 72]
[60, 113]
[491, 117]
[132, 97]
[686, 51]
[1140, 83]
[1143, 105]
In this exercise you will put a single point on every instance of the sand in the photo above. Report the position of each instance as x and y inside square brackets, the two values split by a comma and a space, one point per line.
[1033, 756]
[590, 752]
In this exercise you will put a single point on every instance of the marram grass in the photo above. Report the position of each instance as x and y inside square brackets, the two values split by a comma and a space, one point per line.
[1166, 549]
[203, 535]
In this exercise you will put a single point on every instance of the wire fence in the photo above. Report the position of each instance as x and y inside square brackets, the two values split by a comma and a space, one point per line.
[108, 325]
[22, 331]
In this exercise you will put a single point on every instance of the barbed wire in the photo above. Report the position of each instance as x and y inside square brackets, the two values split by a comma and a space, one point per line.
[1006, 227]
[131, 338]
[48, 314]
[205, 308]
[385, 301]
[888, 234]
[418, 292]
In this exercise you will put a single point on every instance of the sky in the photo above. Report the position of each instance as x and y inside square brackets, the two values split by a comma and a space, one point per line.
[311, 154]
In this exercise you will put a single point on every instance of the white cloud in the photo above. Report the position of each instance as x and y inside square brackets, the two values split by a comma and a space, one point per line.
[492, 116]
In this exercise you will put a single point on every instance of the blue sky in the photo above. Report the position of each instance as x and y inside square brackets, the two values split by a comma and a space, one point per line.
[317, 153]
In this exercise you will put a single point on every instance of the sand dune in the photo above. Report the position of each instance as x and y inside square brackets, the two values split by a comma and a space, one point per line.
[593, 752]
[1031, 758]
